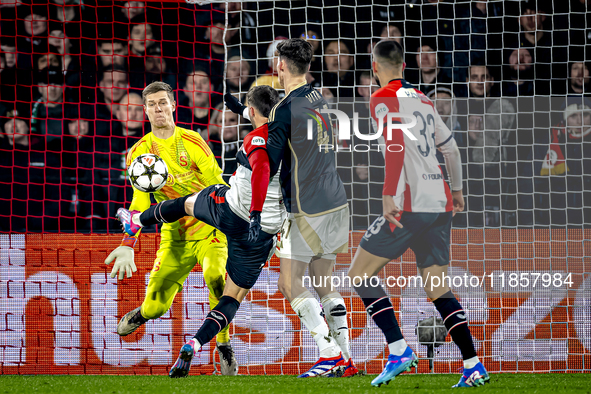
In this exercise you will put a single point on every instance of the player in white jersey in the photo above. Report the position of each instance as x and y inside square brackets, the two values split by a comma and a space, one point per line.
[250, 213]
[418, 209]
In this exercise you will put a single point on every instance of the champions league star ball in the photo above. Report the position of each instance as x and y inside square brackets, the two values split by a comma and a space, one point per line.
[148, 173]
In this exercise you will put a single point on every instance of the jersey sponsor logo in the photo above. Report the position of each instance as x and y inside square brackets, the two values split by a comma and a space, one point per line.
[432, 177]
[258, 141]
[184, 176]
[381, 110]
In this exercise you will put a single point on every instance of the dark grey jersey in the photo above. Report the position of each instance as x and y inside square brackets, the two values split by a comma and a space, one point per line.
[303, 139]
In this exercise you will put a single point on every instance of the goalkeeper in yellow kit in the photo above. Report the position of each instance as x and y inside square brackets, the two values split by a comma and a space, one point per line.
[192, 167]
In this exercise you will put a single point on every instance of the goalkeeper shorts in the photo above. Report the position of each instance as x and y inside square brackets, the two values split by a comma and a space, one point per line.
[176, 259]
[245, 259]
[427, 234]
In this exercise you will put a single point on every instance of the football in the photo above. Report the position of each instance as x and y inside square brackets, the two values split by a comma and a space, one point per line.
[148, 173]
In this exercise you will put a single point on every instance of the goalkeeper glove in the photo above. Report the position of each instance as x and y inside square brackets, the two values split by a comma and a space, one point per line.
[123, 257]
[236, 106]
[254, 227]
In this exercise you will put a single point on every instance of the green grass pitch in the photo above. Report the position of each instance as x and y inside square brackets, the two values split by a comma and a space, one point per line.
[415, 384]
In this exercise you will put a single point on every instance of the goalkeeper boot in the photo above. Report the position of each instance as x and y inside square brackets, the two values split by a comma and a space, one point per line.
[181, 367]
[328, 367]
[228, 363]
[130, 322]
[350, 369]
[127, 224]
[395, 366]
[473, 377]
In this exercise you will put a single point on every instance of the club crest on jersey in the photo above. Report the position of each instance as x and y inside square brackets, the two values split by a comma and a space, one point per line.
[258, 141]
[183, 159]
[169, 180]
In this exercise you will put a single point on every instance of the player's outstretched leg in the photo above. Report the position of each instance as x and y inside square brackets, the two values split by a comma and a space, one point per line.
[125, 217]
[130, 322]
[228, 363]
[181, 367]
[331, 362]
[168, 211]
[159, 296]
[378, 305]
[305, 305]
[216, 320]
[456, 323]
[336, 317]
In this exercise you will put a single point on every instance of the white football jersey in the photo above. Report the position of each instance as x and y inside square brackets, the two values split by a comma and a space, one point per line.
[239, 198]
[413, 174]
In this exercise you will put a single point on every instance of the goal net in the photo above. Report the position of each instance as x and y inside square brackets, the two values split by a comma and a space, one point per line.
[509, 78]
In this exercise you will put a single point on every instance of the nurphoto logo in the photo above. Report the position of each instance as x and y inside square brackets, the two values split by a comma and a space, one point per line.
[393, 120]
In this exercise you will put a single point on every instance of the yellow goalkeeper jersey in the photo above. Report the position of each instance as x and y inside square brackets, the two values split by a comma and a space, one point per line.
[191, 168]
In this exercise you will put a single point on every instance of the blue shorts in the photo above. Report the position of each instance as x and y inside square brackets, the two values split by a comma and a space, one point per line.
[245, 259]
[427, 234]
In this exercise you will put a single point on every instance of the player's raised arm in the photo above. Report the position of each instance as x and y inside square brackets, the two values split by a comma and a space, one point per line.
[123, 256]
[446, 143]
[261, 100]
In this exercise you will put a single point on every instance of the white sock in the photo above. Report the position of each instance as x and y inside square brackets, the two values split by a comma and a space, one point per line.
[471, 362]
[338, 325]
[135, 218]
[309, 312]
[195, 343]
[397, 348]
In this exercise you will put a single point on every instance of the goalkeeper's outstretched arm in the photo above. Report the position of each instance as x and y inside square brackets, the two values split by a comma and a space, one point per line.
[123, 256]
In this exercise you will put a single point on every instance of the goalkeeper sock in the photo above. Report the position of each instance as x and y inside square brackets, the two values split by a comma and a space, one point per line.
[310, 313]
[379, 307]
[336, 317]
[164, 212]
[217, 319]
[138, 318]
[456, 323]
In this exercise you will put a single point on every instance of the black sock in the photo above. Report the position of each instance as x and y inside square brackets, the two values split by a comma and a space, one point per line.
[164, 212]
[217, 319]
[378, 306]
[456, 323]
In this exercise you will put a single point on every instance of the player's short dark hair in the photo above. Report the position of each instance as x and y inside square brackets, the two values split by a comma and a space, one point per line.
[156, 87]
[262, 98]
[298, 53]
[389, 51]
